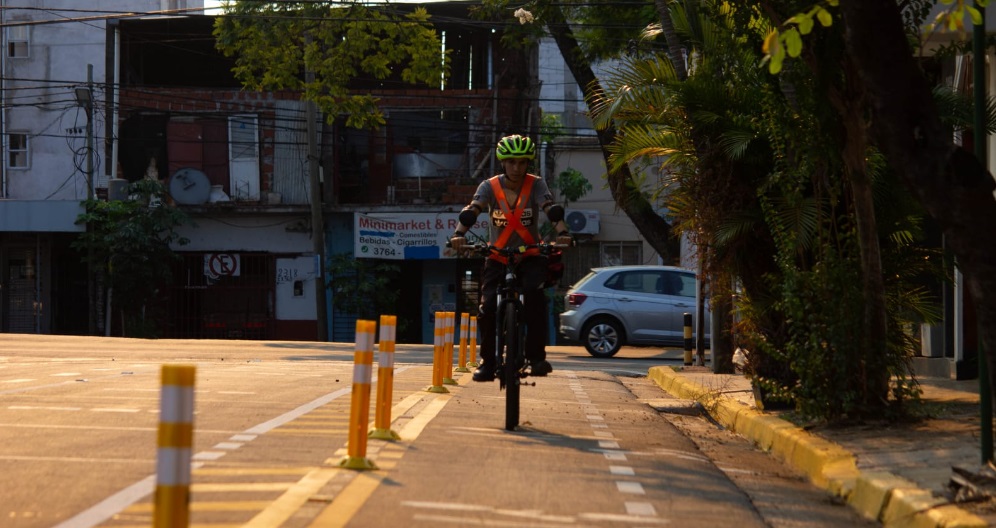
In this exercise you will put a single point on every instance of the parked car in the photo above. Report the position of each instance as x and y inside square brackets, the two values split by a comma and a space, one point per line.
[629, 305]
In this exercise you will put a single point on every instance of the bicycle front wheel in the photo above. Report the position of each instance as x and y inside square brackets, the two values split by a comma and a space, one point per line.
[513, 344]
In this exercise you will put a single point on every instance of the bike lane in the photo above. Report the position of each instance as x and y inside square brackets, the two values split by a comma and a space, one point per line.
[587, 453]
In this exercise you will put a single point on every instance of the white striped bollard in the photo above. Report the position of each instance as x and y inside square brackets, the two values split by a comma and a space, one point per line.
[359, 412]
[385, 379]
[175, 441]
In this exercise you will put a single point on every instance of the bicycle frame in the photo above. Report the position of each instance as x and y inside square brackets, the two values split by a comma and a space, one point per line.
[509, 328]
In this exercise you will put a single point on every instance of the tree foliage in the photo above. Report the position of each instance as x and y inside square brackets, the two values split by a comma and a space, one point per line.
[128, 243]
[762, 176]
[320, 47]
[364, 287]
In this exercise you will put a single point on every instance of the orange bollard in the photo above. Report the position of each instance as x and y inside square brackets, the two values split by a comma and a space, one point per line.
[176, 439]
[385, 379]
[438, 350]
[448, 340]
[472, 343]
[359, 414]
[464, 327]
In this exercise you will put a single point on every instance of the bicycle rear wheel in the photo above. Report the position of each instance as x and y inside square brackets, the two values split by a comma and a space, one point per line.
[510, 327]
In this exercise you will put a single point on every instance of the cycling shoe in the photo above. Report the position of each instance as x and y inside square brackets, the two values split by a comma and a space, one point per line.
[485, 372]
[540, 368]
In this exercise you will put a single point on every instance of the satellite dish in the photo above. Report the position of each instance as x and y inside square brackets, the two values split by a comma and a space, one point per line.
[189, 186]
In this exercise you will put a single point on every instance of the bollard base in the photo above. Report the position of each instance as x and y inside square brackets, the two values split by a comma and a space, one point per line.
[384, 434]
[449, 381]
[473, 364]
[461, 369]
[360, 463]
[437, 388]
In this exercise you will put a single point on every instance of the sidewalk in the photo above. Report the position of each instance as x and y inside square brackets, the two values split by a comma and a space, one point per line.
[895, 473]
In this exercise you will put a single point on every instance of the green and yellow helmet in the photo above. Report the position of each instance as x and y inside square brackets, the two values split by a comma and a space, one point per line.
[516, 146]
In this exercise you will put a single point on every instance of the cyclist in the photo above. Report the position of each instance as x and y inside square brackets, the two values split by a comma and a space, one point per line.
[513, 201]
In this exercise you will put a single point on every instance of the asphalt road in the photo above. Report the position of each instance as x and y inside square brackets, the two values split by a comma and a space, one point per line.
[599, 445]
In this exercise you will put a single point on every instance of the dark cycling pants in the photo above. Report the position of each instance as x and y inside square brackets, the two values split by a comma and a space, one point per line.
[532, 274]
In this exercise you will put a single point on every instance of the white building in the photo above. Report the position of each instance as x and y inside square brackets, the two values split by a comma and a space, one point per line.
[51, 73]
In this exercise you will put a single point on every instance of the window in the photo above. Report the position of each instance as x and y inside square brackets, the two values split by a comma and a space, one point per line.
[17, 153]
[621, 253]
[17, 42]
[635, 282]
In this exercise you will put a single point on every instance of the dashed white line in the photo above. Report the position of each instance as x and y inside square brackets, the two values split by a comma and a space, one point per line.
[621, 470]
[625, 486]
[641, 508]
[209, 455]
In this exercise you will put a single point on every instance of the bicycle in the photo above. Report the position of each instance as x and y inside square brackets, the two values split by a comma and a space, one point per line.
[509, 331]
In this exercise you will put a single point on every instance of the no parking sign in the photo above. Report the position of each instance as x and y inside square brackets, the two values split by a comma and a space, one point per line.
[217, 265]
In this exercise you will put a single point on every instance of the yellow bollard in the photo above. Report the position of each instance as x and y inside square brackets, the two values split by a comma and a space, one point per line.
[176, 438]
[359, 414]
[448, 340]
[472, 343]
[438, 350]
[464, 327]
[385, 379]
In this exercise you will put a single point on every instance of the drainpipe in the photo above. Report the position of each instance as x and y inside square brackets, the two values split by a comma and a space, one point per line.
[3, 101]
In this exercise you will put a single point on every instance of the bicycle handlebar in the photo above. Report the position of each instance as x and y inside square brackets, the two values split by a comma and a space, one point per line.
[485, 250]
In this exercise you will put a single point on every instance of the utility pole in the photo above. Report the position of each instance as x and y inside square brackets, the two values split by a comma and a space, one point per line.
[84, 97]
[317, 218]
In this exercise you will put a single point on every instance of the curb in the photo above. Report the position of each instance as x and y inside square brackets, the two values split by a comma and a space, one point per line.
[884, 497]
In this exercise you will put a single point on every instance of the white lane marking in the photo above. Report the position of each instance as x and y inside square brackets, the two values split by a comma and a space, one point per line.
[236, 392]
[645, 509]
[599, 426]
[19, 380]
[625, 486]
[300, 411]
[103, 510]
[91, 427]
[611, 517]
[115, 410]
[595, 418]
[128, 496]
[67, 374]
[227, 445]
[621, 470]
[42, 408]
[608, 444]
[734, 470]
[604, 434]
[24, 458]
[209, 455]
[614, 455]
[242, 438]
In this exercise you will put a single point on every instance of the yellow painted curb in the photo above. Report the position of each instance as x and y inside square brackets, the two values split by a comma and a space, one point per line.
[884, 497]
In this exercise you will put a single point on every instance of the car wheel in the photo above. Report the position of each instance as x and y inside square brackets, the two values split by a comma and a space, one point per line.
[603, 337]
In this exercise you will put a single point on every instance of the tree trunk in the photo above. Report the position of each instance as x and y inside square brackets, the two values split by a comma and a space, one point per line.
[876, 326]
[953, 186]
[674, 49]
[625, 193]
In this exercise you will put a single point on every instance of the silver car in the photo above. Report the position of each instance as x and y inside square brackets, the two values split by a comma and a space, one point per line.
[629, 305]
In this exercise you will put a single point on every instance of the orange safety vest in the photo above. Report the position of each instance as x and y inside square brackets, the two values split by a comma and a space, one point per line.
[513, 216]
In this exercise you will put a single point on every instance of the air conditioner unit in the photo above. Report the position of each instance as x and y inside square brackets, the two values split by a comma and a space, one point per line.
[582, 222]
